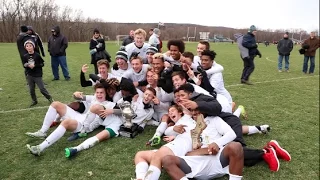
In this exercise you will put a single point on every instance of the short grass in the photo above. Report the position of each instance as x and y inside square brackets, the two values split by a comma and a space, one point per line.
[288, 102]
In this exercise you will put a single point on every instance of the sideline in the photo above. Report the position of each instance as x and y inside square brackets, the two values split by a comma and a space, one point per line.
[233, 85]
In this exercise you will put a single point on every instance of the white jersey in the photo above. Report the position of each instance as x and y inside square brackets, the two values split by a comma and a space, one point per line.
[130, 48]
[182, 142]
[208, 167]
[119, 72]
[216, 81]
[217, 131]
[136, 77]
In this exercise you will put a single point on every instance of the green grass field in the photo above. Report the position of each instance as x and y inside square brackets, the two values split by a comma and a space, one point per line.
[288, 102]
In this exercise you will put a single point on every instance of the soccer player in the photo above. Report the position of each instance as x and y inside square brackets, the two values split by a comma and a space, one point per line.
[139, 45]
[181, 144]
[142, 108]
[121, 66]
[72, 120]
[138, 72]
[150, 52]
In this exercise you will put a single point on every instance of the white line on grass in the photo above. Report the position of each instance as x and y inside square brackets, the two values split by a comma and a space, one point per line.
[233, 85]
[277, 80]
[267, 58]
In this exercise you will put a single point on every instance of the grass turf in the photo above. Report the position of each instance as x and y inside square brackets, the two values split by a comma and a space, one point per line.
[288, 102]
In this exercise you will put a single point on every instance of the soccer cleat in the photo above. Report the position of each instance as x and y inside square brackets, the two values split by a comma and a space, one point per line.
[243, 112]
[265, 129]
[37, 134]
[35, 150]
[155, 140]
[70, 152]
[50, 100]
[281, 153]
[270, 157]
[33, 103]
[73, 137]
[280, 71]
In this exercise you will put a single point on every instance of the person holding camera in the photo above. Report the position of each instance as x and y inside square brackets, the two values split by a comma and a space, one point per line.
[310, 47]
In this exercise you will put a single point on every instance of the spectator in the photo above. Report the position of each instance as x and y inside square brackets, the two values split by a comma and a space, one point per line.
[37, 40]
[285, 46]
[128, 39]
[313, 44]
[154, 39]
[57, 45]
[21, 39]
[98, 49]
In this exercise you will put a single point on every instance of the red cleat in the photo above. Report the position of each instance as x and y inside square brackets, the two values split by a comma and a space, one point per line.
[270, 157]
[281, 153]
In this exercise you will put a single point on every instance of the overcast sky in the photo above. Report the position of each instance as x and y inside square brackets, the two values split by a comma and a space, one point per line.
[273, 14]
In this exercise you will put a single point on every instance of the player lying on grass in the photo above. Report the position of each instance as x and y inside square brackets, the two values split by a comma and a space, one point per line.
[143, 109]
[179, 79]
[74, 121]
[180, 145]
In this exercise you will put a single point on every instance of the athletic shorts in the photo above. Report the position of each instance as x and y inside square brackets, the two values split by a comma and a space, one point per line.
[205, 167]
[181, 145]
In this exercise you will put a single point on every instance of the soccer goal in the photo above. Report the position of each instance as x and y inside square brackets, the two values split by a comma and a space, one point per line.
[120, 38]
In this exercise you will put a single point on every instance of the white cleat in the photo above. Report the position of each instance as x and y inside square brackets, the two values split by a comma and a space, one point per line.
[265, 129]
[37, 134]
[35, 150]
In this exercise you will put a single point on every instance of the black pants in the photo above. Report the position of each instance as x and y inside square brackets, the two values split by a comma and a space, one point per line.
[32, 81]
[95, 68]
[248, 68]
[251, 156]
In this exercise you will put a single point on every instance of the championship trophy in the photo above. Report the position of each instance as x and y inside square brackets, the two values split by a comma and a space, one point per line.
[196, 132]
[128, 129]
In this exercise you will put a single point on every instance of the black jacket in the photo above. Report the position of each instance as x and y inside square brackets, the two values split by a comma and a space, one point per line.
[285, 46]
[101, 51]
[57, 44]
[249, 42]
[37, 40]
[21, 39]
[38, 62]
[207, 105]
[127, 40]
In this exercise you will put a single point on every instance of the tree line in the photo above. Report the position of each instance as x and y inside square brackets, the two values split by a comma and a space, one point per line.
[42, 15]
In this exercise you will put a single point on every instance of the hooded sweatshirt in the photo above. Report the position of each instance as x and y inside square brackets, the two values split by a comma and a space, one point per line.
[57, 44]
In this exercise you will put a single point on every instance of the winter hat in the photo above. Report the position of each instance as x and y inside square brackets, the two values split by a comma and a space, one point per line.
[29, 42]
[122, 54]
[24, 29]
[252, 28]
[152, 49]
[96, 31]
[287, 33]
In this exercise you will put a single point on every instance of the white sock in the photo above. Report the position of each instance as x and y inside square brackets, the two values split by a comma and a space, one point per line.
[89, 119]
[234, 177]
[184, 178]
[48, 119]
[161, 129]
[88, 143]
[53, 137]
[141, 170]
[237, 112]
[253, 130]
[155, 173]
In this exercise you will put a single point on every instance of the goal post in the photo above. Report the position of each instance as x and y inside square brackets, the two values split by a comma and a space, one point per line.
[120, 38]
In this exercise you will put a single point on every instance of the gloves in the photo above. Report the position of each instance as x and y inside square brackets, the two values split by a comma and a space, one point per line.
[93, 51]
[258, 53]
[99, 45]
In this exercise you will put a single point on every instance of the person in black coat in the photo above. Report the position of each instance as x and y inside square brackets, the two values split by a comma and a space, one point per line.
[98, 49]
[284, 47]
[37, 39]
[21, 39]
[129, 39]
[249, 42]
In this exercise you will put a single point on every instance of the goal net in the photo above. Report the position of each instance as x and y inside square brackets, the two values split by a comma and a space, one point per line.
[120, 38]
